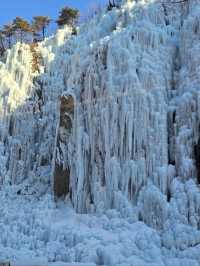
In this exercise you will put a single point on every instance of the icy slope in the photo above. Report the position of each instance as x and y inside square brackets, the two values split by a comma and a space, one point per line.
[111, 121]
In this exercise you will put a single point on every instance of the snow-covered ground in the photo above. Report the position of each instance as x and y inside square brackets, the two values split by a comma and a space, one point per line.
[37, 232]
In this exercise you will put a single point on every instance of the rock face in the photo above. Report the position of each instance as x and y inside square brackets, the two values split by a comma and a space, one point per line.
[61, 176]
[112, 119]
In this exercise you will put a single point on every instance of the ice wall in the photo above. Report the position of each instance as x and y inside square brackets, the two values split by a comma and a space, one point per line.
[113, 115]
[120, 75]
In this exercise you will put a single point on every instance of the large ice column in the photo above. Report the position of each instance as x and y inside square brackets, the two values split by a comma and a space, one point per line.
[27, 129]
[184, 132]
[16, 76]
[186, 114]
[119, 138]
[16, 85]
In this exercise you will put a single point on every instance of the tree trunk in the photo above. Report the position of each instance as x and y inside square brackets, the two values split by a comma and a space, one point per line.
[43, 33]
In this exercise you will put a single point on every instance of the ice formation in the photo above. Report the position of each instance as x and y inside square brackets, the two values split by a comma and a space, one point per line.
[111, 122]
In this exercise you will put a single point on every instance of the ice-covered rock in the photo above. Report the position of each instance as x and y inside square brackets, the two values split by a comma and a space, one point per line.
[109, 120]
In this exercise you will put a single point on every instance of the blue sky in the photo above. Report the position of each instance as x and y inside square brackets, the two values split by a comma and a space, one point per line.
[29, 8]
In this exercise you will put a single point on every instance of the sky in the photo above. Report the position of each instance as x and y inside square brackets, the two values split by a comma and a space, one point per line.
[29, 8]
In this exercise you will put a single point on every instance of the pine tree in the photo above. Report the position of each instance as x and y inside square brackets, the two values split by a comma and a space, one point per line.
[8, 32]
[68, 16]
[40, 23]
[22, 27]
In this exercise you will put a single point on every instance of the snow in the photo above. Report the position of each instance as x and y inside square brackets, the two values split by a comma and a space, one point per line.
[42, 232]
[115, 110]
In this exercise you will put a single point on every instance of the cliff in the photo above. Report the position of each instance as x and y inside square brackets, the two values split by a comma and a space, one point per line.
[110, 119]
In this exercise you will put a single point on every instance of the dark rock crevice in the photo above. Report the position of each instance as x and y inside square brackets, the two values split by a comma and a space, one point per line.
[61, 174]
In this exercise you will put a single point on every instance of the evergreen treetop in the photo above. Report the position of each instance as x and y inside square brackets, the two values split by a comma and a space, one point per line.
[40, 23]
[68, 16]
